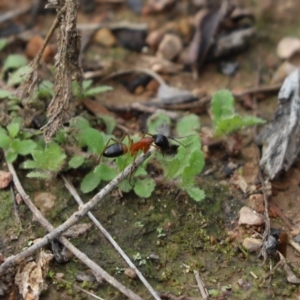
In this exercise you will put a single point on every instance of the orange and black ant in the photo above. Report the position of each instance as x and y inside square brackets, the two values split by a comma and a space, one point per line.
[157, 140]
[117, 149]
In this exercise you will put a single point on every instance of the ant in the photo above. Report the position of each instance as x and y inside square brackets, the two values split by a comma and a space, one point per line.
[117, 149]
[157, 140]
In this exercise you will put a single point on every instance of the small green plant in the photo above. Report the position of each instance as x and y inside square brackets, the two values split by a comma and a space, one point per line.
[86, 90]
[15, 142]
[139, 224]
[160, 232]
[138, 257]
[225, 120]
[46, 162]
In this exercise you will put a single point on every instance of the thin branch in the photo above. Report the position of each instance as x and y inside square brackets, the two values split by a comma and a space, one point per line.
[202, 289]
[74, 218]
[114, 26]
[97, 270]
[75, 195]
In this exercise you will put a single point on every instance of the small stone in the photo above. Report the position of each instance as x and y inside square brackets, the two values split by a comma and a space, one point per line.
[287, 47]
[35, 44]
[44, 201]
[297, 238]
[105, 38]
[154, 38]
[152, 86]
[256, 202]
[139, 90]
[59, 275]
[252, 244]
[130, 273]
[5, 179]
[85, 276]
[241, 282]
[285, 69]
[250, 217]
[170, 47]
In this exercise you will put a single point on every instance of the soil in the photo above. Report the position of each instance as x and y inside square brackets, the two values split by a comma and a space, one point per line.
[169, 235]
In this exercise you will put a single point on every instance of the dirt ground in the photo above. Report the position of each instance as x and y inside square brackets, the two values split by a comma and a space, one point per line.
[169, 235]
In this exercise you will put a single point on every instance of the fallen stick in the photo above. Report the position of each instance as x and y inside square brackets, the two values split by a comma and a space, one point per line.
[77, 198]
[74, 218]
[97, 270]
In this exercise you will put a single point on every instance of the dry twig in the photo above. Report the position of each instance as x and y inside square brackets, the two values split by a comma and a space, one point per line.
[97, 270]
[202, 289]
[75, 195]
[74, 218]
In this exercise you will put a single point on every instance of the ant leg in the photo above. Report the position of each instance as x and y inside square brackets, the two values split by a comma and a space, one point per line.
[132, 169]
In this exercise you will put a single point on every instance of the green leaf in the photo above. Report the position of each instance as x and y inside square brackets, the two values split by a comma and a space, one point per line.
[4, 140]
[156, 121]
[3, 43]
[235, 123]
[14, 61]
[6, 94]
[76, 161]
[13, 129]
[11, 155]
[45, 90]
[196, 193]
[97, 90]
[37, 174]
[19, 76]
[106, 173]
[93, 139]
[90, 182]
[144, 187]
[171, 168]
[141, 171]
[28, 164]
[80, 123]
[222, 105]
[86, 84]
[196, 164]
[50, 159]
[125, 186]
[25, 147]
[110, 123]
[188, 124]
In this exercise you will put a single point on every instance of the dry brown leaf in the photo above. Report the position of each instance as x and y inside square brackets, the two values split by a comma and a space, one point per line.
[31, 278]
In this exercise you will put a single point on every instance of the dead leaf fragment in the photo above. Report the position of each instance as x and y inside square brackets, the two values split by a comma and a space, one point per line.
[31, 278]
[170, 47]
[281, 138]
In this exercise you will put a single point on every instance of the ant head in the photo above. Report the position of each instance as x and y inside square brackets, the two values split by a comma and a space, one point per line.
[161, 141]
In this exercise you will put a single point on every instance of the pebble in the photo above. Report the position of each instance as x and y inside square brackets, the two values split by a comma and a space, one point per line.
[297, 238]
[35, 44]
[250, 217]
[130, 273]
[287, 47]
[252, 244]
[5, 179]
[154, 38]
[104, 37]
[44, 201]
[170, 47]
[256, 202]
[285, 69]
